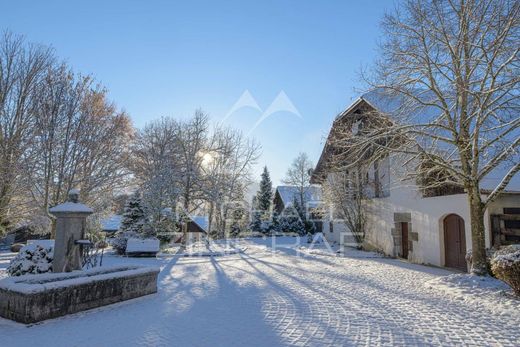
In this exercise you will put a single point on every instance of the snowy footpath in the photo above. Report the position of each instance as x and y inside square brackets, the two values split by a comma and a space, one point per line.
[288, 298]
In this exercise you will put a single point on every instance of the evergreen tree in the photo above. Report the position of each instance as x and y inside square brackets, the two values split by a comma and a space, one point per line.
[307, 224]
[264, 196]
[134, 217]
[256, 222]
[275, 223]
[291, 221]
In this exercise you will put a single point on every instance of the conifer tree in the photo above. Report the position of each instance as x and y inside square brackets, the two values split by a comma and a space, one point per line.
[264, 196]
[134, 217]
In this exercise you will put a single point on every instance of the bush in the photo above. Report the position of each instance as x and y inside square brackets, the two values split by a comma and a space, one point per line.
[16, 247]
[506, 267]
[120, 241]
[32, 259]
[101, 244]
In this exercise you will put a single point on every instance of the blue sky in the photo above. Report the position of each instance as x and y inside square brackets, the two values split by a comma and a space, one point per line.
[166, 58]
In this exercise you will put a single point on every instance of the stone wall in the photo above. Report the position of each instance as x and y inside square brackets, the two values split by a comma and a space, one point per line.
[33, 298]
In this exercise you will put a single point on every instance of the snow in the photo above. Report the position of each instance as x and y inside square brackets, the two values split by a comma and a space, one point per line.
[42, 243]
[390, 104]
[507, 259]
[269, 296]
[477, 291]
[112, 223]
[142, 245]
[29, 284]
[71, 207]
[212, 249]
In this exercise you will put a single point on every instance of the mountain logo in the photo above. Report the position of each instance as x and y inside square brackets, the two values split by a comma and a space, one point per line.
[281, 103]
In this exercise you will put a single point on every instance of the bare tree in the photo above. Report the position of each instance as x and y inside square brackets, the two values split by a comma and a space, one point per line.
[80, 140]
[344, 193]
[299, 175]
[191, 143]
[453, 67]
[155, 165]
[227, 165]
[57, 131]
[22, 70]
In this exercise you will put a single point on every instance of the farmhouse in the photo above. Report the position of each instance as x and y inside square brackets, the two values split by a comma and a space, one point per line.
[284, 197]
[403, 219]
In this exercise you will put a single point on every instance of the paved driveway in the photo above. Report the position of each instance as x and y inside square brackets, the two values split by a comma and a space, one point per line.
[265, 299]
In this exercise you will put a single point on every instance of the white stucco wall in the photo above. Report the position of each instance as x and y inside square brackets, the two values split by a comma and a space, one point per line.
[337, 229]
[427, 219]
[427, 215]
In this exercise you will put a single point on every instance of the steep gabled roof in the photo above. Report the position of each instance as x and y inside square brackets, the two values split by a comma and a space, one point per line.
[388, 104]
[201, 221]
[319, 171]
[289, 193]
[112, 223]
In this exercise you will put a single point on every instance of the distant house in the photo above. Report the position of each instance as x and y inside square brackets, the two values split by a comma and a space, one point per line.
[21, 234]
[197, 229]
[284, 197]
[404, 219]
[198, 224]
[111, 224]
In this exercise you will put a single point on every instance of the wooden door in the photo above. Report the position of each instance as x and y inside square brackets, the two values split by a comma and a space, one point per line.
[455, 242]
[404, 240]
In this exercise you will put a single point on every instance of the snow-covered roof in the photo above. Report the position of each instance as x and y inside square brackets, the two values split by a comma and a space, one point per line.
[112, 223]
[201, 221]
[288, 193]
[492, 180]
[391, 104]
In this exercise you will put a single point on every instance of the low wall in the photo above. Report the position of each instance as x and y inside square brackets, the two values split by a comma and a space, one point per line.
[33, 298]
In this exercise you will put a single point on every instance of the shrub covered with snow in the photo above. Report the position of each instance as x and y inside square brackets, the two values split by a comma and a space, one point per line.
[506, 267]
[32, 259]
[121, 239]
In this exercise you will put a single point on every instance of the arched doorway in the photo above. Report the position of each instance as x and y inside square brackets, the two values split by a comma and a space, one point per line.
[454, 242]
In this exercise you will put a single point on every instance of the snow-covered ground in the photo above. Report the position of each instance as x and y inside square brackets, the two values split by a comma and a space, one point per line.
[291, 296]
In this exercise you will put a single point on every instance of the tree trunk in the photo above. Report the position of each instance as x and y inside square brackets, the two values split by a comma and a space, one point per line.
[478, 244]
[210, 219]
[185, 221]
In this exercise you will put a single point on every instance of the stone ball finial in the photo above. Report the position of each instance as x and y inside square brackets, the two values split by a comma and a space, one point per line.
[74, 195]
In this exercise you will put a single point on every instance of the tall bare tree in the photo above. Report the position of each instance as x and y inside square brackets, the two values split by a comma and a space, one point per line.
[299, 175]
[22, 70]
[227, 167]
[344, 192]
[453, 67]
[155, 165]
[80, 140]
[191, 143]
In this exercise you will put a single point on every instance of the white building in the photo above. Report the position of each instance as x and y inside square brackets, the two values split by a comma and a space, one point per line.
[402, 222]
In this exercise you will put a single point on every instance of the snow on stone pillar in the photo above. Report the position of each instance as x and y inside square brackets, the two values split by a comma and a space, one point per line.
[71, 218]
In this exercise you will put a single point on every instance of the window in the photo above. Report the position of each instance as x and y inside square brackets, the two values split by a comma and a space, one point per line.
[512, 226]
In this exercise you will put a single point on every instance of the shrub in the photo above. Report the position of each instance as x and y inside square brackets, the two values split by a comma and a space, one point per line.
[120, 241]
[16, 247]
[101, 244]
[506, 267]
[32, 259]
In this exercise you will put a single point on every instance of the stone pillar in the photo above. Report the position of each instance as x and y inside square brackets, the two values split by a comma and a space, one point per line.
[71, 218]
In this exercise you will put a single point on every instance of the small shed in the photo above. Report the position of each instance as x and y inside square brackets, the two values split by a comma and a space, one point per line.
[111, 224]
[197, 229]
